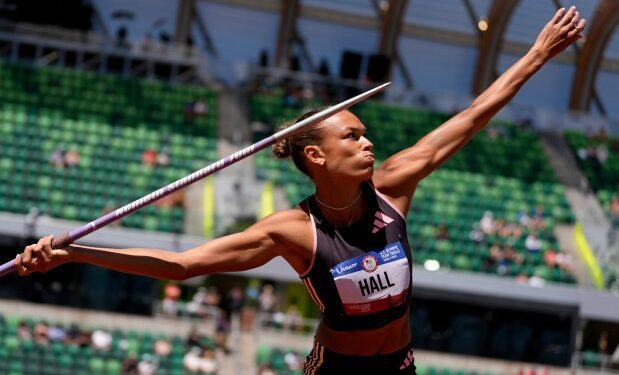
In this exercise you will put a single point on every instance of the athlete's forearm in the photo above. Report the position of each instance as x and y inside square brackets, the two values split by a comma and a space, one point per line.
[148, 262]
[495, 97]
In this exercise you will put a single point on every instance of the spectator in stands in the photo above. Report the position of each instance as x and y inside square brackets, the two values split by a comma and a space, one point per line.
[500, 228]
[192, 360]
[208, 362]
[222, 331]
[200, 108]
[487, 224]
[494, 257]
[56, 333]
[293, 97]
[40, 332]
[352, 204]
[235, 300]
[524, 219]
[23, 331]
[197, 305]
[74, 334]
[101, 340]
[130, 364]
[293, 361]
[121, 37]
[441, 233]
[603, 343]
[57, 158]
[550, 258]
[477, 235]
[564, 261]
[148, 365]
[72, 157]
[538, 219]
[194, 339]
[601, 153]
[162, 348]
[532, 243]
[171, 293]
[511, 230]
[149, 157]
[267, 299]
[294, 320]
[213, 298]
[163, 158]
[512, 255]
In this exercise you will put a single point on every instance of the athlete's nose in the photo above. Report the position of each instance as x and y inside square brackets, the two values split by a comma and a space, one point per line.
[367, 144]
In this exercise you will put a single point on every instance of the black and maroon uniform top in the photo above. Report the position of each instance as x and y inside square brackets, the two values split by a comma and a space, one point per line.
[360, 275]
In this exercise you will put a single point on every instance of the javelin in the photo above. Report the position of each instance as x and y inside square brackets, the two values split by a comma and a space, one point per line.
[65, 239]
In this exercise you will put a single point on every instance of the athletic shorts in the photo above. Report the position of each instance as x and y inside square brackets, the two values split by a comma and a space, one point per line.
[322, 361]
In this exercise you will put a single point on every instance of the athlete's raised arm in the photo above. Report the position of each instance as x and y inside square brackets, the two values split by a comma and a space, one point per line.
[398, 176]
[279, 234]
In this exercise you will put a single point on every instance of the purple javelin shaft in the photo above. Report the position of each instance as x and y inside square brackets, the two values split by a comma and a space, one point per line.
[68, 238]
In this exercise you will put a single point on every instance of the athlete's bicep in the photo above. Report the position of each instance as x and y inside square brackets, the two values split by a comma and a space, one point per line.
[278, 234]
[237, 252]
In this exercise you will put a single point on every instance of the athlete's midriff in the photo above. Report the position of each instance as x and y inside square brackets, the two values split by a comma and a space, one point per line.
[384, 340]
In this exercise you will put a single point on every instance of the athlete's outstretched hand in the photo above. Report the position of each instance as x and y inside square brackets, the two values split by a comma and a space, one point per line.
[561, 31]
[40, 257]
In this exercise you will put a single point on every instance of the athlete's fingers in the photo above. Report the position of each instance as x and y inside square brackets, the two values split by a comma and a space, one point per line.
[576, 30]
[573, 23]
[567, 16]
[557, 17]
[47, 248]
[26, 256]
[21, 270]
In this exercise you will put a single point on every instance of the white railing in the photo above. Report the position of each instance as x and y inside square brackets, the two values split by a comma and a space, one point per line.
[57, 37]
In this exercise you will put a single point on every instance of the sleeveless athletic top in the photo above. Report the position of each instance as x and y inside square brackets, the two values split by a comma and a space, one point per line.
[360, 276]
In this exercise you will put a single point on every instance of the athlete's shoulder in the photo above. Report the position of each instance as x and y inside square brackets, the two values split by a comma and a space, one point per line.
[286, 223]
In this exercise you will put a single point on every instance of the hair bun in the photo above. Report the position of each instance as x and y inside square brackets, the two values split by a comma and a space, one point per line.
[282, 148]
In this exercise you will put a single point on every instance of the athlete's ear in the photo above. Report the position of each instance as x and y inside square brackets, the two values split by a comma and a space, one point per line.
[314, 155]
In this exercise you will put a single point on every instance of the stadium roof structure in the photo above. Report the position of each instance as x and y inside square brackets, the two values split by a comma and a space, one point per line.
[493, 26]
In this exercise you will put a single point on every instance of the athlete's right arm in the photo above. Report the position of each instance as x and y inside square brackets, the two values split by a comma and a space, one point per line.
[251, 248]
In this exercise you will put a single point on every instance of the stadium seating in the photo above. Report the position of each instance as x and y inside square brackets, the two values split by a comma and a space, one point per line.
[603, 176]
[109, 98]
[495, 174]
[19, 356]
[110, 122]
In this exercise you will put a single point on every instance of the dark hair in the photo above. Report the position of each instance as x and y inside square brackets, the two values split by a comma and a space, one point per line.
[295, 144]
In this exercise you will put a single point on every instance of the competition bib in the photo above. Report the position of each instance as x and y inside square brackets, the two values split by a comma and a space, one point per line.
[373, 282]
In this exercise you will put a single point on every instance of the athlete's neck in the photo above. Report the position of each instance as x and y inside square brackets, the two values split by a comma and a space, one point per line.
[339, 198]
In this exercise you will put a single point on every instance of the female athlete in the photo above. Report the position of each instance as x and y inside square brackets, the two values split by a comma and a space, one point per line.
[348, 241]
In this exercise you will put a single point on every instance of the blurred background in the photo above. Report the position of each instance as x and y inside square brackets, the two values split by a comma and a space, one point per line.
[515, 239]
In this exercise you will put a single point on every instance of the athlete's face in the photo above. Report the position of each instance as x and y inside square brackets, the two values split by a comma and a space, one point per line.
[345, 151]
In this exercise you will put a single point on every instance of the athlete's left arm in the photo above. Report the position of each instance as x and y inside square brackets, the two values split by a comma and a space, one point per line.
[398, 175]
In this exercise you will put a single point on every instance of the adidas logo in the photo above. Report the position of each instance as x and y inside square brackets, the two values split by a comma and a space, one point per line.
[381, 220]
[408, 360]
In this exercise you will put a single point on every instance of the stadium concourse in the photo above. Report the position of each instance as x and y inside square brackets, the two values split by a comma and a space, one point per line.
[514, 240]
